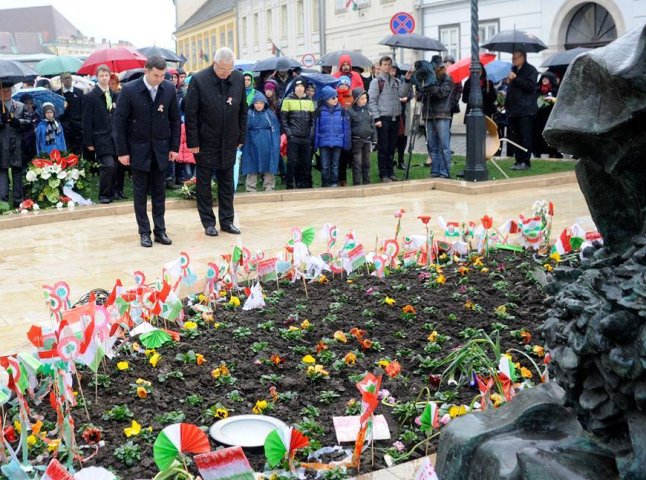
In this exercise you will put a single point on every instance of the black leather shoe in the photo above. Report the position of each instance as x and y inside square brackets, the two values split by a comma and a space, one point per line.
[211, 231]
[230, 229]
[146, 241]
[162, 238]
[105, 200]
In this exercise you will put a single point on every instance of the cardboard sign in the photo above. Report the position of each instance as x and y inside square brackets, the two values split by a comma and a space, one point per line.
[347, 428]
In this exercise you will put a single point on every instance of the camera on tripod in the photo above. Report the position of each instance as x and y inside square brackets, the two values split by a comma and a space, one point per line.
[424, 74]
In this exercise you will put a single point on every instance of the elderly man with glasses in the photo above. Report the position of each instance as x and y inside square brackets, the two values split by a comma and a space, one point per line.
[216, 125]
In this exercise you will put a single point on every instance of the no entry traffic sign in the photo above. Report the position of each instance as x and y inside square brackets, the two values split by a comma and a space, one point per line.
[402, 22]
[308, 60]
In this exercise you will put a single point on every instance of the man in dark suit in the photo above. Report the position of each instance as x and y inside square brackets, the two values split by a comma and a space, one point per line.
[147, 133]
[216, 124]
[71, 120]
[97, 131]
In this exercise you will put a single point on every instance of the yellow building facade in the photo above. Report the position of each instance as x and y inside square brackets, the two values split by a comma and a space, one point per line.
[208, 29]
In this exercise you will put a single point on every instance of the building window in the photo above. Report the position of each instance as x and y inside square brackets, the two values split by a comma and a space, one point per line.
[223, 37]
[193, 52]
[315, 15]
[300, 16]
[450, 37]
[244, 31]
[487, 29]
[256, 29]
[230, 39]
[214, 46]
[270, 23]
[591, 26]
[283, 21]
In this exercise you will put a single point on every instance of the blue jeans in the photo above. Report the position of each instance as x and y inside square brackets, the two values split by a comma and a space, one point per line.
[438, 132]
[330, 165]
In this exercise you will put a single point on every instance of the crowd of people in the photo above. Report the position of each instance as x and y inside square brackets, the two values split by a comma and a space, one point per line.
[263, 119]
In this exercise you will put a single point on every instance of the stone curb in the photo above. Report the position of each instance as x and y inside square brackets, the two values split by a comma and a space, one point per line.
[451, 186]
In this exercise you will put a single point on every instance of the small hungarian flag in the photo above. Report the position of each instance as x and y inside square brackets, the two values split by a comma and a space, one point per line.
[56, 471]
[266, 270]
[356, 258]
[351, 3]
[226, 463]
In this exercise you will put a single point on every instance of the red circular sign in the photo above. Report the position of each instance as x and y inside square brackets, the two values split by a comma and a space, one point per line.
[308, 60]
[402, 22]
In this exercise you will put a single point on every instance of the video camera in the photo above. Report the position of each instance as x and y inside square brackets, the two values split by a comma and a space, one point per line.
[424, 74]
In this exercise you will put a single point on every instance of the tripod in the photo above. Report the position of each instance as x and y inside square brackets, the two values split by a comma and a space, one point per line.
[412, 135]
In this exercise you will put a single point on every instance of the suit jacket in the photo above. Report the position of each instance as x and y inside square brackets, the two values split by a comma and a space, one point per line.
[74, 109]
[144, 129]
[10, 137]
[97, 123]
[216, 117]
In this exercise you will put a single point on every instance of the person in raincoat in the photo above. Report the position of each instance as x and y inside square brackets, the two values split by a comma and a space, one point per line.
[49, 132]
[261, 152]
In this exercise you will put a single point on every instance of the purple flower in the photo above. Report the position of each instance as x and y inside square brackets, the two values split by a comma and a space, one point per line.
[399, 446]
[424, 276]
[462, 289]
[383, 393]
[370, 291]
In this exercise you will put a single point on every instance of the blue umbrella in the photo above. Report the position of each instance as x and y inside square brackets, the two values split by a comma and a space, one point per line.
[42, 95]
[497, 70]
[319, 80]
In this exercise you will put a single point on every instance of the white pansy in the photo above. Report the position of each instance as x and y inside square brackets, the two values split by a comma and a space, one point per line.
[31, 176]
[59, 205]
[46, 175]
[35, 207]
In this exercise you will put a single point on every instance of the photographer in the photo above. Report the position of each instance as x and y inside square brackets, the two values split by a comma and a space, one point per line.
[385, 106]
[435, 90]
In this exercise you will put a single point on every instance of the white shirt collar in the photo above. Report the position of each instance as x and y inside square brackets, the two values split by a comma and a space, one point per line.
[103, 89]
[71, 89]
[148, 86]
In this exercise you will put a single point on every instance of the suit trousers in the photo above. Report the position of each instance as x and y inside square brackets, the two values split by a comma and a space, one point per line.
[299, 159]
[522, 130]
[16, 182]
[203, 175]
[107, 169]
[155, 182]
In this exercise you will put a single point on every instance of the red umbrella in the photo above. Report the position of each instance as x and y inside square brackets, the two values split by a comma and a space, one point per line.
[117, 59]
[460, 70]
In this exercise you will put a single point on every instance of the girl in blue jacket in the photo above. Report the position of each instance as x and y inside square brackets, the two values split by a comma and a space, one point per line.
[49, 132]
[331, 135]
[261, 151]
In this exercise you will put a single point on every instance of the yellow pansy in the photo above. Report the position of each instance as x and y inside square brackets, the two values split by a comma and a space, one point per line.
[440, 280]
[154, 360]
[555, 257]
[190, 325]
[457, 411]
[389, 301]
[259, 407]
[525, 372]
[234, 301]
[31, 440]
[309, 359]
[383, 363]
[305, 324]
[123, 366]
[433, 336]
[142, 392]
[133, 429]
[497, 399]
[339, 336]
[538, 351]
[53, 445]
[350, 358]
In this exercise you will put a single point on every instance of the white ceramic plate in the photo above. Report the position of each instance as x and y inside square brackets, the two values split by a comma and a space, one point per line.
[245, 430]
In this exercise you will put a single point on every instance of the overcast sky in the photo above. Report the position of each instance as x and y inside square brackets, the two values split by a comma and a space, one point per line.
[142, 22]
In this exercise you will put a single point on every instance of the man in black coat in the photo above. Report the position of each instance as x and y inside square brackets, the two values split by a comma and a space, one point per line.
[71, 120]
[147, 133]
[216, 125]
[521, 106]
[98, 106]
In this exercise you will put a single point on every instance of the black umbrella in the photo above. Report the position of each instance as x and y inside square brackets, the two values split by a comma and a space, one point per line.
[510, 40]
[133, 74]
[413, 41]
[276, 63]
[332, 59]
[12, 72]
[165, 53]
[563, 59]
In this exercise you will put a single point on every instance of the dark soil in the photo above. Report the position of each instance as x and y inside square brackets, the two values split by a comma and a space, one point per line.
[339, 304]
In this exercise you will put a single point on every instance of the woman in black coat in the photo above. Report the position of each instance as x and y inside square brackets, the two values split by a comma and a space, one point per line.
[489, 94]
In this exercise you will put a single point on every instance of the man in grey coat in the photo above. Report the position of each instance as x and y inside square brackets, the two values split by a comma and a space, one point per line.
[385, 94]
[12, 126]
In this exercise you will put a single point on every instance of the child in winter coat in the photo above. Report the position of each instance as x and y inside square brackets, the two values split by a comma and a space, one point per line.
[364, 134]
[261, 151]
[331, 135]
[185, 159]
[49, 132]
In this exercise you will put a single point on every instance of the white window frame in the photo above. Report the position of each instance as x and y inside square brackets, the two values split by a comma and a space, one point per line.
[452, 49]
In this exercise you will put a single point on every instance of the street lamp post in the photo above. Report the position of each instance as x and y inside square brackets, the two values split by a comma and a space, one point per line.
[476, 169]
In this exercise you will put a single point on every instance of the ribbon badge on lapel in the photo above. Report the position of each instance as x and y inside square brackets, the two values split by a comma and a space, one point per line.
[230, 101]
[160, 109]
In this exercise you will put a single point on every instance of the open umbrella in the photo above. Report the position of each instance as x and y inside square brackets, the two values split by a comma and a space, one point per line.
[497, 70]
[563, 59]
[132, 74]
[117, 59]
[462, 68]
[413, 41]
[165, 53]
[276, 63]
[84, 83]
[42, 95]
[319, 80]
[332, 59]
[509, 40]
[12, 72]
[56, 65]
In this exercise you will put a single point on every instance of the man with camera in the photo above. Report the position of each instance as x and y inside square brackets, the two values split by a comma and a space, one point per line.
[385, 106]
[435, 90]
[521, 106]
